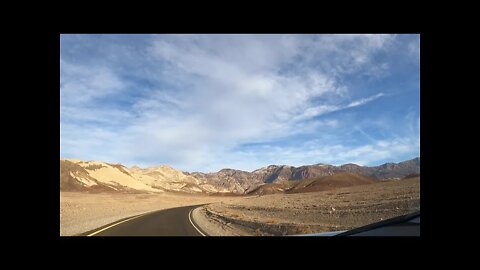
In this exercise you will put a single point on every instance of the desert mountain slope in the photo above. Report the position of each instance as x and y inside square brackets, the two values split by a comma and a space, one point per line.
[332, 182]
[387, 170]
[274, 173]
[78, 175]
[229, 180]
[242, 182]
[75, 178]
[315, 184]
[166, 178]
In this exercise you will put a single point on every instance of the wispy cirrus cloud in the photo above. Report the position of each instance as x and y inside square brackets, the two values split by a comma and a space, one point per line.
[326, 108]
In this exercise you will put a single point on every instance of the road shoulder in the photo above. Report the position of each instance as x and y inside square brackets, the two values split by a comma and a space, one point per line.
[215, 226]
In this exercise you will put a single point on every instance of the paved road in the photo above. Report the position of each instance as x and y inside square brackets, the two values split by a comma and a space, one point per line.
[169, 222]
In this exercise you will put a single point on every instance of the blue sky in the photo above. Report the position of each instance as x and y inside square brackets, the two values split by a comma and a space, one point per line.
[207, 102]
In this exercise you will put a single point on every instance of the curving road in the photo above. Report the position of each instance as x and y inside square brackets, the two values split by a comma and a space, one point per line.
[169, 222]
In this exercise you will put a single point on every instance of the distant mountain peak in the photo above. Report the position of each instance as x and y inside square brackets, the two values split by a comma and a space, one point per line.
[322, 164]
[350, 164]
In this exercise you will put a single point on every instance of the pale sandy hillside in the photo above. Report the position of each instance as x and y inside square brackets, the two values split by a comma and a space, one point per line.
[166, 178]
[162, 173]
[85, 174]
[78, 175]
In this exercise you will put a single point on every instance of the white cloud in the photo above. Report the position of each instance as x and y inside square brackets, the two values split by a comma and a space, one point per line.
[229, 90]
[349, 54]
[325, 108]
[364, 100]
[81, 84]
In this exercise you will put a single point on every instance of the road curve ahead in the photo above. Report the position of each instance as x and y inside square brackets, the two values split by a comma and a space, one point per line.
[169, 222]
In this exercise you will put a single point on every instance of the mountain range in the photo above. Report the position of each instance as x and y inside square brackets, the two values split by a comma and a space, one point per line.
[95, 176]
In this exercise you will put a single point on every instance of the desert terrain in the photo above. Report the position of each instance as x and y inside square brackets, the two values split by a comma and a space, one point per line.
[302, 213]
[274, 200]
[258, 215]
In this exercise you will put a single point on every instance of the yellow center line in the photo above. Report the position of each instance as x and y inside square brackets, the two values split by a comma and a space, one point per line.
[99, 231]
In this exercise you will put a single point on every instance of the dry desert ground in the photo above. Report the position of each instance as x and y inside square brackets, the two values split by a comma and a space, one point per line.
[312, 212]
[276, 214]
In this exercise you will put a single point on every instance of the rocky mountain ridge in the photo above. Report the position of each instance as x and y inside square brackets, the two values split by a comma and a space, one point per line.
[78, 175]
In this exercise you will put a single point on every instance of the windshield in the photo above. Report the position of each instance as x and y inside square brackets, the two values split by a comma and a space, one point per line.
[252, 134]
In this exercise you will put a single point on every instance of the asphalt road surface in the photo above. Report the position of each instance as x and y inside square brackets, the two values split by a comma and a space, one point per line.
[169, 222]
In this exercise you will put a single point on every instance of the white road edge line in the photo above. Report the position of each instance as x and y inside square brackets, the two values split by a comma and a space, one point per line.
[189, 217]
[99, 231]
